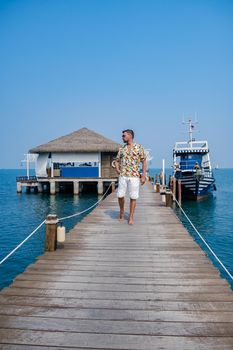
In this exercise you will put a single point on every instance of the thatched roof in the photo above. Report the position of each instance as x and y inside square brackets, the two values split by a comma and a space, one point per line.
[82, 140]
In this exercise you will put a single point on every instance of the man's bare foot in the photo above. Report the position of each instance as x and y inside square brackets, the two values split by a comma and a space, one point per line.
[121, 218]
[130, 221]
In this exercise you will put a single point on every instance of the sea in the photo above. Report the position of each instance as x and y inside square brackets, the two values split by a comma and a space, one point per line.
[21, 213]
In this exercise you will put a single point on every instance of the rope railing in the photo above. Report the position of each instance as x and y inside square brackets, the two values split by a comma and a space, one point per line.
[20, 244]
[60, 219]
[202, 238]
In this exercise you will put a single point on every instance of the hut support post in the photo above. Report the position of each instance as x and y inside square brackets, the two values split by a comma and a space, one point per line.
[100, 187]
[57, 187]
[113, 186]
[76, 187]
[51, 233]
[40, 187]
[19, 187]
[52, 187]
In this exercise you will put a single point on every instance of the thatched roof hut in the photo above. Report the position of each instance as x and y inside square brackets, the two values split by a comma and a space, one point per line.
[82, 140]
[81, 154]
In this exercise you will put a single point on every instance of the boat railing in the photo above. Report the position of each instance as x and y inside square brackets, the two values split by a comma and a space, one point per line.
[195, 146]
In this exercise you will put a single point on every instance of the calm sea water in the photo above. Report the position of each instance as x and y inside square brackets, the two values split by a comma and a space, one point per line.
[21, 213]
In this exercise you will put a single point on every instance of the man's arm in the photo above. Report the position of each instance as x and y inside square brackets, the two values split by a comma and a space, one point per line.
[143, 177]
[117, 166]
[117, 162]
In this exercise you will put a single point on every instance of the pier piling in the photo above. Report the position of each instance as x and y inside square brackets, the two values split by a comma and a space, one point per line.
[19, 187]
[169, 202]
[52, 187]
[179, 192]
[51, 233]
[76, 187]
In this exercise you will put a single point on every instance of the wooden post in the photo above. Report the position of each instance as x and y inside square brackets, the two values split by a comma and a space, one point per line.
[157, 186]
[174, 188]
[51, 233]
[179, 192]
[171, 182]
[163, 193]
[168, 199]
[113, 186]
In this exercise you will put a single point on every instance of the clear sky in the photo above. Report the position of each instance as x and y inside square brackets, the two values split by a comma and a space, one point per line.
[115, 64]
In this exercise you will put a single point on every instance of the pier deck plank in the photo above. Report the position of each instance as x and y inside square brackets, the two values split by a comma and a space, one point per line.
[115, 286]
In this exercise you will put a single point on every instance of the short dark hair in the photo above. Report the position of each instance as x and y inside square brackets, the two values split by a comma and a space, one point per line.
[129, 131]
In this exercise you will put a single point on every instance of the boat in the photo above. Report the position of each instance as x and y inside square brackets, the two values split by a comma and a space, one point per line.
[192, 166]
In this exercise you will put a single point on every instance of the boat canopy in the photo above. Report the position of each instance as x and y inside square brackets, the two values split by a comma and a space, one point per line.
[196, 147]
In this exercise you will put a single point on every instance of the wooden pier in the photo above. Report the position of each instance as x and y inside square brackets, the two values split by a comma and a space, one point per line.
[115, 286]
[52, 185]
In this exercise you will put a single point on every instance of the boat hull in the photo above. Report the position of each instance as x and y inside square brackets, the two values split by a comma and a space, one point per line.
[195, 187]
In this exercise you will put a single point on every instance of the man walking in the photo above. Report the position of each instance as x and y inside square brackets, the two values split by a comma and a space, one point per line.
[127, 163]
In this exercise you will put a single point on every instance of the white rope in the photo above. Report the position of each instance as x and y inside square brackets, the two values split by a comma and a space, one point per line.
[203, 240]
[18, 246]
[61, 219]
[84, 211]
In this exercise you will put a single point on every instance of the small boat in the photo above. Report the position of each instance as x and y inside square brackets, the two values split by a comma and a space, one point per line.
[192, 166]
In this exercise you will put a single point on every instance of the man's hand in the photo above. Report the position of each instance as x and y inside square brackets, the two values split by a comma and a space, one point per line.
[143, 179]
[117, 167]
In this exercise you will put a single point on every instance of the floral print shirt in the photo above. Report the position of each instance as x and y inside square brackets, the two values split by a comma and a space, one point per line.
[130, 159]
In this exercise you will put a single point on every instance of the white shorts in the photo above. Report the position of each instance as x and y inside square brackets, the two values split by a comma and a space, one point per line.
[130, 183]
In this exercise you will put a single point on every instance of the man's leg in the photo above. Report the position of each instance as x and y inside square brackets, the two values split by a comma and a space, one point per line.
[134, 193]
[132, 209]
[121, 201]
[121, 191]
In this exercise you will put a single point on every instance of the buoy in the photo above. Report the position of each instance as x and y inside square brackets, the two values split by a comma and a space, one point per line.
[61, 233]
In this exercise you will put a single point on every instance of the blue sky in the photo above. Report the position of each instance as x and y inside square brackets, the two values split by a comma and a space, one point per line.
[115, 64]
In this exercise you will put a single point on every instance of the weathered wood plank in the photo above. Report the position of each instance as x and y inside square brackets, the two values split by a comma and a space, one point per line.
[113, 341]
[136, 304]
[172, 297]
[117, 327]
[125, 287]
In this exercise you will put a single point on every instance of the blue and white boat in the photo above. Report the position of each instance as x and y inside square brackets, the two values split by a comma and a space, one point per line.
[192, 166]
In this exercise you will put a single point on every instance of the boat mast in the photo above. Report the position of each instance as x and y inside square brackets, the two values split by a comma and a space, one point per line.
[190, 131]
